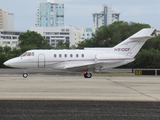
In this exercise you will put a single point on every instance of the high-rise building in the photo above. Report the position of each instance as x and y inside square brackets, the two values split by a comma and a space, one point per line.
[50, 14]
[115, 17]
[1, 19]
[6, 20]
[105, 17]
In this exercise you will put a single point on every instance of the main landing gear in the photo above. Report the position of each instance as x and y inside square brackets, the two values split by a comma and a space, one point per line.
[87, 75]
[25, 74]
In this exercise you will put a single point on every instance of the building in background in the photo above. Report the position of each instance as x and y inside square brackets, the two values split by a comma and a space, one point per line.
[49, 14]
[69, 34]
[9, 38]
[83, 34]
[55, 34]
[6, 20]
[157, 32]
[105, 17]
[115, 17]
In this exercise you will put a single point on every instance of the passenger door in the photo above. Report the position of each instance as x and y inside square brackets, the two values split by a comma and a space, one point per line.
[41, 60]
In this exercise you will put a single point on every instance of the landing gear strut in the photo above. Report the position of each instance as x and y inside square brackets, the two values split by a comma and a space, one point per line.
[25, 74]
[87, 75]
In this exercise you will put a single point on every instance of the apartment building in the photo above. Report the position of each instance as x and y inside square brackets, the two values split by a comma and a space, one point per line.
[105, 17]
[6, 20]
[49, 14]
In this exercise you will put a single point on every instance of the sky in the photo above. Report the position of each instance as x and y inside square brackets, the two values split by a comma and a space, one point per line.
[79, 12]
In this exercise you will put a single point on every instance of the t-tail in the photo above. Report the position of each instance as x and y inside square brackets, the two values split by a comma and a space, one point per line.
[131, 46]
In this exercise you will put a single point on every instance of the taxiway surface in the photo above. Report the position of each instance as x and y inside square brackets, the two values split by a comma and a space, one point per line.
[65, 96]
[64, 87]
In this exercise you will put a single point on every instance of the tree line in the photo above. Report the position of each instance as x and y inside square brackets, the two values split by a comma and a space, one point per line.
[105, 36]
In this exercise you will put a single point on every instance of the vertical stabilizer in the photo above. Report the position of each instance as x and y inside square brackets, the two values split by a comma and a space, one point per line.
[131, 46]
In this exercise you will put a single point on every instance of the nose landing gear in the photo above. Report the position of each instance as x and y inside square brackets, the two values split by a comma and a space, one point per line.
[25, 74]
[87, 75]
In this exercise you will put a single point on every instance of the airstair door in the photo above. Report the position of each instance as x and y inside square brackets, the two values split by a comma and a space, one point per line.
[41, 61]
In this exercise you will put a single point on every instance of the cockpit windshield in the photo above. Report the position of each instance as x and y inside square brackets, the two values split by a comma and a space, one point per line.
[27, 54]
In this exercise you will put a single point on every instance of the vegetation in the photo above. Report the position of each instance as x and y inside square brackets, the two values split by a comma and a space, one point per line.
[62, 45]
[32, 40]
[105, 36]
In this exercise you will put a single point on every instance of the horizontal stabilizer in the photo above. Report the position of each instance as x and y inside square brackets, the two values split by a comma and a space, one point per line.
[139, 38]
[143, 32]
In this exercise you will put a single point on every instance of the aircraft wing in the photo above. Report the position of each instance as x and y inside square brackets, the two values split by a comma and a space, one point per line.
[84, 67]
[90, 66]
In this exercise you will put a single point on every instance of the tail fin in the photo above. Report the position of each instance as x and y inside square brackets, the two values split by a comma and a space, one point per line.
[131, 46]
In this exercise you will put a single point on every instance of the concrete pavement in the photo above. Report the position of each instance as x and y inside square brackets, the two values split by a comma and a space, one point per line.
[65, 87]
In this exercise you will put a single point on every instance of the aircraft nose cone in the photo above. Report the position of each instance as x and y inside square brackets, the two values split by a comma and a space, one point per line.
[6, 63]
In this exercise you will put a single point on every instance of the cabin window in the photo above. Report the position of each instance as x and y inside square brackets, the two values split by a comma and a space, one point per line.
[77, 55]
[60, 55]
[65, 55]
[71, 55]
[32, 53]
[82, 55]
[55, 55]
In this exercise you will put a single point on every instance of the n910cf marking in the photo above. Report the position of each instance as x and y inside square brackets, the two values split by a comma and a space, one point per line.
[121, 49]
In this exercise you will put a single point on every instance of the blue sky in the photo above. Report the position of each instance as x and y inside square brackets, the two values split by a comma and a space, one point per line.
[79, 12]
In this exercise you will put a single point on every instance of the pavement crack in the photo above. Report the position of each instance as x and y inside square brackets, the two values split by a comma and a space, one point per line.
[128, 87]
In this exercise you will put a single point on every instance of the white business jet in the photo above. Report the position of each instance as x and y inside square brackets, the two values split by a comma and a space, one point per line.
[88, 60]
